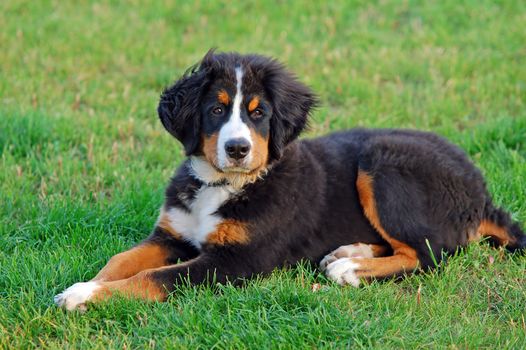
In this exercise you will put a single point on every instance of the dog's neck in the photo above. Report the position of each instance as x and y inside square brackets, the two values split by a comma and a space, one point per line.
[202, 170]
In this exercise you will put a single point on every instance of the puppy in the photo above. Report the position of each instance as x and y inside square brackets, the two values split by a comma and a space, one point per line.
[251, 198]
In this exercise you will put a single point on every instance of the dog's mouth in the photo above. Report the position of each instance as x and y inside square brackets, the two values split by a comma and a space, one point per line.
[235, 175]
[236, 168]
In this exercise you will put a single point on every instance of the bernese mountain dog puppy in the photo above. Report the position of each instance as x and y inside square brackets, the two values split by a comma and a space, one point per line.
[251, 198]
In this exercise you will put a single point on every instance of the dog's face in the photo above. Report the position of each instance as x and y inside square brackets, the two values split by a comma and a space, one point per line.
[238, 112]
[235, 122]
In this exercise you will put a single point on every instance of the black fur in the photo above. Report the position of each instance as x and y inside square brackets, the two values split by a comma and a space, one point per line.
[178, 106]
[291, 100]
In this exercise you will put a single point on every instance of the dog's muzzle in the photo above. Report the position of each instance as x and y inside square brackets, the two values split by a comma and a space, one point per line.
[237, 150]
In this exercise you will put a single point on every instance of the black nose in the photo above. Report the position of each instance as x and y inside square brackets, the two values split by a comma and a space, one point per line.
[237, 148]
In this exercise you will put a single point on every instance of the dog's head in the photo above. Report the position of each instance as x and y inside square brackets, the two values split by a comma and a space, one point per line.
[236, 112]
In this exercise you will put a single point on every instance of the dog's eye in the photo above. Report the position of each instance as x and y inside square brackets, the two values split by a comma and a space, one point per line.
[217, 111]
[257, 113]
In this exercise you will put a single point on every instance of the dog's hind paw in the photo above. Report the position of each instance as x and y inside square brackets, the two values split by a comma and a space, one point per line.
[356, 250]
[343, 271]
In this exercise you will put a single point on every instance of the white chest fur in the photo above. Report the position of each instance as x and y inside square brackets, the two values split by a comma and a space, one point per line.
[196, 225]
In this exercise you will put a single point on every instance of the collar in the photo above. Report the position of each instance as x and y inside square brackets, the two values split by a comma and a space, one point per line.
[220, 183]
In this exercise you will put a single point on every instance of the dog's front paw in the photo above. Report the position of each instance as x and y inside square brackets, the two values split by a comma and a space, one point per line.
[76, 296]
[343, 271]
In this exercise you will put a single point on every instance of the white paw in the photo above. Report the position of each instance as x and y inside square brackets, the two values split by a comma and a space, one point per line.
[357, 250]
[75, 297]
[327, 259]
[343, 271]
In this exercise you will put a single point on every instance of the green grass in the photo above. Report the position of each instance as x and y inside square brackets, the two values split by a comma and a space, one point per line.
[84, 162]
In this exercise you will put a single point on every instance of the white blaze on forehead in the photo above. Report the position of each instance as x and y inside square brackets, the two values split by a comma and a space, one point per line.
[235, 128]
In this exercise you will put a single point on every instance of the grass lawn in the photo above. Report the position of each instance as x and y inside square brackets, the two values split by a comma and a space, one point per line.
[84, 162]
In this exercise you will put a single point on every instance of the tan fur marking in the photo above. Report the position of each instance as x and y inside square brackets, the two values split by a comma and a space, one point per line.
[386, 266]
[404, 257]
[140, 286]
[253, 104]
[259, 151]
[378, 250]
[365, 190]
[229, 232]
[133, 261]
[488, 228]
[473, 235]
[223, 97]
[164, 223]
[210, 148]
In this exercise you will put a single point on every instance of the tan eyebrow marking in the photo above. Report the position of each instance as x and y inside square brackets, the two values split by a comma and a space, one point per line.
[254, 103]
[223, 97]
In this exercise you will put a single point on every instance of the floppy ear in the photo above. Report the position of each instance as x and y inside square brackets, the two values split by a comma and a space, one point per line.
[179, 109]
[291, 103]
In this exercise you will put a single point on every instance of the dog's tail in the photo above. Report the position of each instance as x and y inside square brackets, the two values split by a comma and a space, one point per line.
[501, 229]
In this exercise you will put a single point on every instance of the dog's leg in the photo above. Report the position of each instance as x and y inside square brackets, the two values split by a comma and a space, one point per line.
[347, 270]
[126, 264]
[140, 285]
[347, 264]
[160, 249]
[155, 284]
